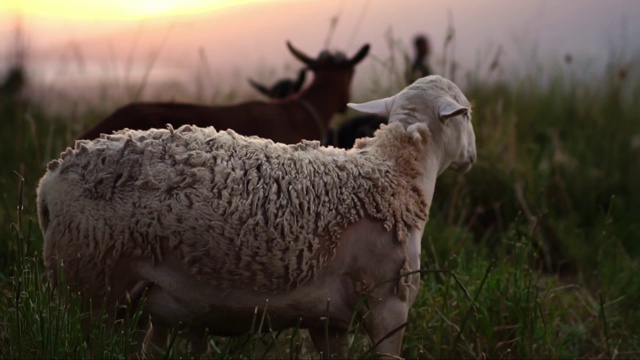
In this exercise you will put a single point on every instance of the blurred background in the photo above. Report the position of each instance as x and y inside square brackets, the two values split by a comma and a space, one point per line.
[544, 231]
[73, 44]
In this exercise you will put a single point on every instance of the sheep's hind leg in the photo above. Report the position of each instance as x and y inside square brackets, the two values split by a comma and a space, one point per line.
[331, 343]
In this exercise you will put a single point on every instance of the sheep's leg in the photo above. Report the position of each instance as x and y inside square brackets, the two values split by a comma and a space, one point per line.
[160, 302]
[385, 326]
[150, 330]
[331, 343]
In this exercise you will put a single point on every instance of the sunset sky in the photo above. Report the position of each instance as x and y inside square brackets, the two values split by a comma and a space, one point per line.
[90, 39]
[116, 9]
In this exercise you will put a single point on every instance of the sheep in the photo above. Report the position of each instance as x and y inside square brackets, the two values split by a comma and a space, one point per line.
[305, 115]
[282, 88]
[214, 225]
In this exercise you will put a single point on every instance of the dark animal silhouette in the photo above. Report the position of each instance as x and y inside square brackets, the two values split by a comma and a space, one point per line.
[282, 88]
[13, 83]
[346, 134]
[352, 129]
[305, 115]
[420, 65]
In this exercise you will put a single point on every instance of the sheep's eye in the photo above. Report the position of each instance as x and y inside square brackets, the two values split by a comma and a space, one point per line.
[466, 116]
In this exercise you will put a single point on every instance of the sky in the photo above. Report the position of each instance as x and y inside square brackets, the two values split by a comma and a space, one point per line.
[93, 40]
[117, 9]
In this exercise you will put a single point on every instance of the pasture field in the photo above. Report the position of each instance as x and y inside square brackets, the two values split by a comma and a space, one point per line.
[534, 253]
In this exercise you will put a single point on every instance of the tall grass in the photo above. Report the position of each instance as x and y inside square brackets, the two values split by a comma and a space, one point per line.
[541, 235]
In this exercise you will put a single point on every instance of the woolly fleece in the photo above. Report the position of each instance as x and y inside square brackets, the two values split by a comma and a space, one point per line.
[239, 210]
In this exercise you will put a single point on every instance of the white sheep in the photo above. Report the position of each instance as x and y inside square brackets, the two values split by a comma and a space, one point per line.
[214, 224]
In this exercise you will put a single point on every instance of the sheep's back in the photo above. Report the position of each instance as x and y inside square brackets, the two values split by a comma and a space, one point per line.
[238, 210]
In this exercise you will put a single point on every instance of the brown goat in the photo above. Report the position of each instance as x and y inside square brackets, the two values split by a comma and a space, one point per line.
[346, 134]
[305, 115]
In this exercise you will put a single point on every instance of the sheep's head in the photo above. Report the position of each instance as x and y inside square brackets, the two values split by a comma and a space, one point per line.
[439, 104]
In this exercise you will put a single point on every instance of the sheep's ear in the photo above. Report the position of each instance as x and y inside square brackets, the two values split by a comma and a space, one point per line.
[380, 107]
[449, 108]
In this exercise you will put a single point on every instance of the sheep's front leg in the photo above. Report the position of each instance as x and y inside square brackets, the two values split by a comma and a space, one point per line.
[385, 325]
[331, 343]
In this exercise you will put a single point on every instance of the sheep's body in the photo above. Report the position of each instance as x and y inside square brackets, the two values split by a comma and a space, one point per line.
[215, 224]
[255, 201]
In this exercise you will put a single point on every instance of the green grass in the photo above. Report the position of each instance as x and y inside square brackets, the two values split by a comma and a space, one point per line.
[532, 254]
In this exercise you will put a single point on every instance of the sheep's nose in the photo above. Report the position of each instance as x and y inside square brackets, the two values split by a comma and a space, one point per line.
[472, 158]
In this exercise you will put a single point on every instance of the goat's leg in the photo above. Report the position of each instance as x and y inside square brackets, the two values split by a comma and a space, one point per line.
[331, 343]
[198, 340]
[385, 325]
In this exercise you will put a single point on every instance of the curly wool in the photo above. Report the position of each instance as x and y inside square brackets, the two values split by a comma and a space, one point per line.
[239, 210]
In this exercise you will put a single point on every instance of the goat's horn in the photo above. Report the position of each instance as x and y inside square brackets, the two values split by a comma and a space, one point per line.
[300, 55]
[261, 88]
[364, 50]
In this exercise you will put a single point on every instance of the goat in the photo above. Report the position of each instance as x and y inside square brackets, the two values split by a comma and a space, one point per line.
[346, 134]
[352, 129]
[304, 116]
[419, 67]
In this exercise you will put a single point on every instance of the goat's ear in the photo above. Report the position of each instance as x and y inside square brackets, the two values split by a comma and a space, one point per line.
[449, 108]
[261, 88]
[380, 107]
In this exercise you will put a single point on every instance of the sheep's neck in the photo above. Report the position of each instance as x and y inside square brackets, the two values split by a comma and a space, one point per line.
[430, 165]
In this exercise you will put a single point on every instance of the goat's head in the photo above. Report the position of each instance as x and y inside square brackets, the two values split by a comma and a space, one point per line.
[282, 88]
[334, 66]
[438, 103]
